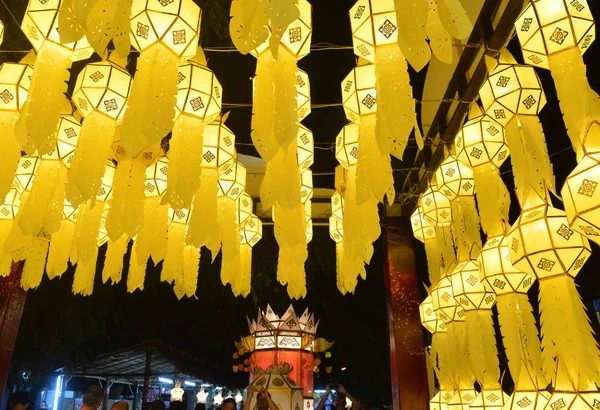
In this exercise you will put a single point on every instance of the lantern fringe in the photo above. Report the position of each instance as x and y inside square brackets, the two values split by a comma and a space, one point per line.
[126, 213]
[570, 351]
[454, 18]
[6, 262]
[439, 39]
[445, 244]
[289, 225]
[374, 178]
[136, 274]
[413, 38]
[263, 107]
[534, 143]
[465, 222]
[284, 114]
[72, 17]
[61, 243]
[185, 159]
[85, 238]
[574, 93]
[281, 183]
[291, 271]
[152, 239]
[432, 253]
[44, 206]
[172, 270]
[85, 272]
[113, 263]
[244, 279]
[231, 239]
[395, 103]
[493, 199]
[203, 228]
[187, 284]
[457, 341]
[109, 20]
[253, 21]
[17, 243]
[155, 80]
[37, 124]
[11, 152]
[91, 154]
[442, 360]
[33, 270]
[481, 345]
[521, 341]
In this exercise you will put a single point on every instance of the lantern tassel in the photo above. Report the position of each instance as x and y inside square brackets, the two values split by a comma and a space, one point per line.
[457, 339]
[481, 345]
[189, 280]
[442, 358]
[137, 271]
[231, 239]
[493, 199]
[85, 272]
[395, 104]
[290, 270]
[33, 271]
[91, 154]
[574, 93]
[433, 260]
[282, 179]
[185, 157]
[125, 216]
[11, 152]
[203, 229]
[17, 243]
[374, 177]
[105, 22]
[44, 205]
[5, 258]
[465, 222]
[439, 39]
[413, 38]
[245, 277]
[113, 264]
[61, 243]
[284, 114]
[172, 270]
[263, 133]
[521, 341]
[568, 341]
[85, 238]
[152, 239]
[37, 124]
[534, 142]
[155, 80]
[454, 18]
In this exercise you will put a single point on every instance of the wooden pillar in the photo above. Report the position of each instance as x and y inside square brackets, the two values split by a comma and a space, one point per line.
[12, 302]
[410, 388]
[147, 374]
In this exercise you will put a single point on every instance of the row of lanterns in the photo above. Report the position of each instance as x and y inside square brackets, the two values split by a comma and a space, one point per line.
[545, 244]
[100, 174]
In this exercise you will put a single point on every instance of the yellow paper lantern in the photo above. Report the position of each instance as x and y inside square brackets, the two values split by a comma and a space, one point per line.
[436, 207]
[252, 231]
[498, 272]
[568, 400]
[548, 27]
[308, 221]
[445, 306]
[306, 148]
[346, 146]
[373, 24]
[306, 190]
[10, 207]
[177, 392]
[303, 94]
[512, 89]
[156, 178]
[455, 179]
[528, 400]
[481, 141]
[429, 319]
[489, 399]
[423, 229]
[337, 205]
[245, 207]
[25, 172]
[440, 400]
[359, 95]
[199, 92]
[218, 143]
[232, 180]
[336, 229]
[469, 291]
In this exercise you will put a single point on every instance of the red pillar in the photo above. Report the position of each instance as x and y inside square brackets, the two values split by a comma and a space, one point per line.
[12, 302]
[410, 388]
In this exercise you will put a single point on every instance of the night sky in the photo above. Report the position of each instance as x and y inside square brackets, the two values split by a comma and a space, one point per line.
[59, 328]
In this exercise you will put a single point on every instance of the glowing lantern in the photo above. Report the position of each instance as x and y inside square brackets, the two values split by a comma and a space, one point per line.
[1, 32]
[14, 86]
[306, 148]
[528, 400]
[454, 179]
[481, 141]
[469, 291]
[337, 205]
[359, 95]
[548, 27]
[554, 34]
[436, 207]
[202, 396]
[177, 392]
[429, 319]
[541, 243]
[40, 114]
[444, 304]
[100, 95]
[308, 219]
[165, 33]
[303, 95]
[239, 397]
[346, 151]
[126, 214]
[90, 217]
[425, 232]
[245, 207]
[498, 272]
[336, 232]
[375, 38]
[218, 400]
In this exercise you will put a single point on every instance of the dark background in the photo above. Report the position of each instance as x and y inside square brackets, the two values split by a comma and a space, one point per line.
[59, 328]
